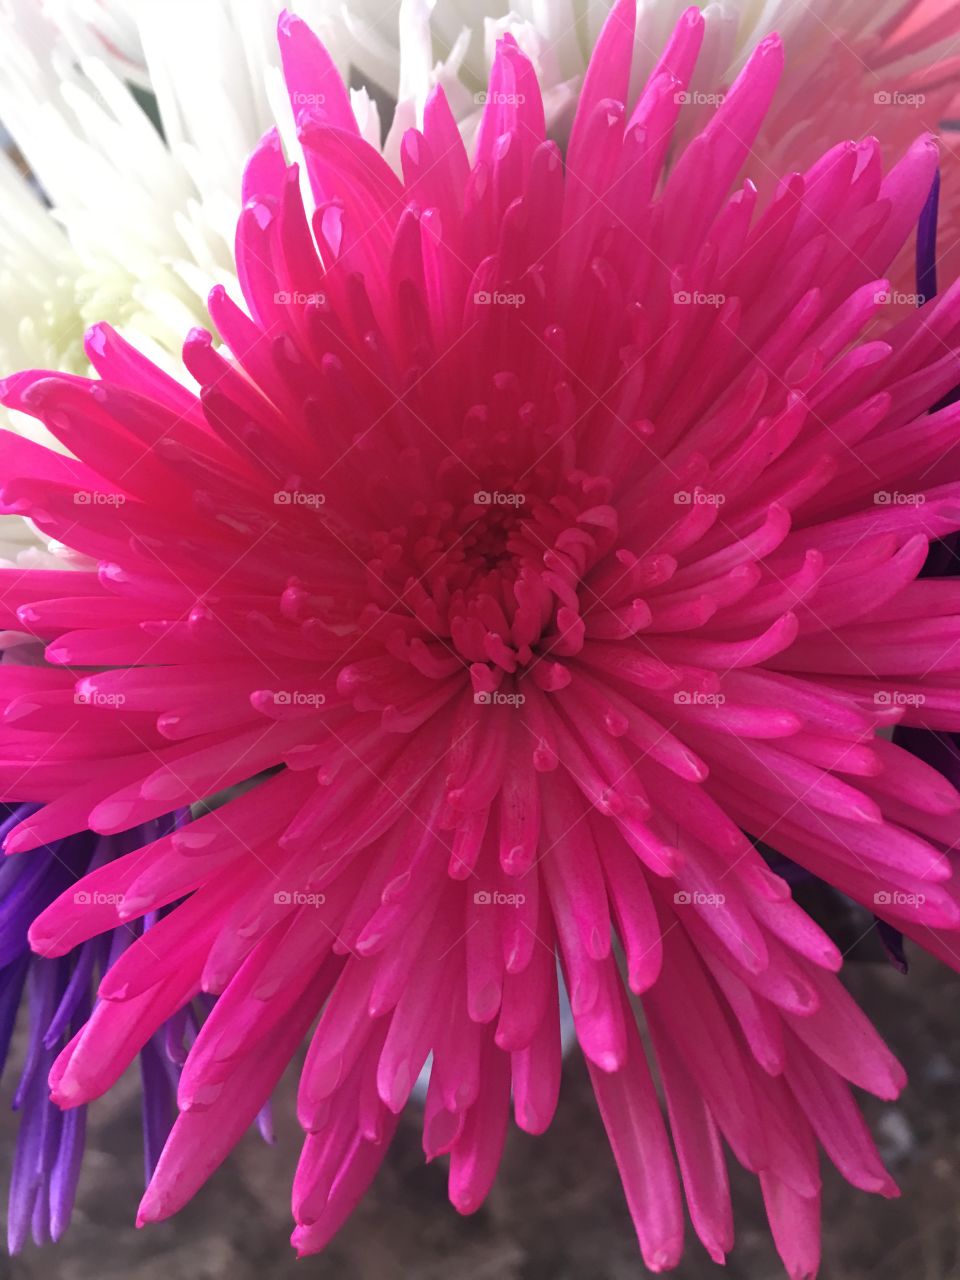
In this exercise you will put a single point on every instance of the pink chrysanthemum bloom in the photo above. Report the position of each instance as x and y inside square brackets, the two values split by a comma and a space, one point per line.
[551, 526]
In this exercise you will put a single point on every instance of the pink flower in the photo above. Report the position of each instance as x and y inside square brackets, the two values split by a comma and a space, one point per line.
[563, 525]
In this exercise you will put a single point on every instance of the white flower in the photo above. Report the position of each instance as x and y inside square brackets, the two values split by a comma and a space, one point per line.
[105, 29]
[140, 226]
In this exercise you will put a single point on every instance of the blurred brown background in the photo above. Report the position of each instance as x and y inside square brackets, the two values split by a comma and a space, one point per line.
[556, 1211]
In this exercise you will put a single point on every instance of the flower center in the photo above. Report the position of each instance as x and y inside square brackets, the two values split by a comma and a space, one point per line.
[499, 574]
